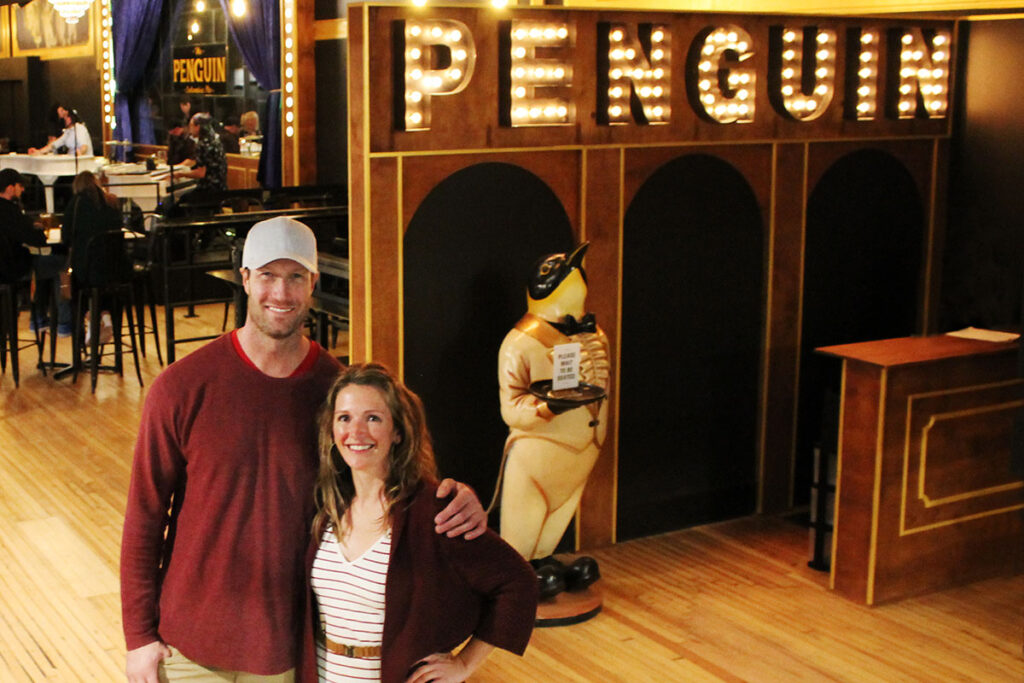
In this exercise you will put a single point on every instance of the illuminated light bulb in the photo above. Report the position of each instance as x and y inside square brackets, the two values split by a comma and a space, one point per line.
[630, 53]
[789, 55]
[731, 37]
[289, 57]
[616, 35]
[521, 112]
[288, 43]
[905, 56]
[907, 39]
[549, 111]
[455, 35]
[918, 55]
[419, 3]
[520, 92]
[238, 8]
[200, 5]
[743, 94]
[616, 110]
[924, 74]
[936, 105]
[658, 36]
[290, 132]
[787, 90]
[709, 99]
[658, 91]
[788, 72]
[823, 54]
[416, 117]
[867, 38]
[563, 111]
[863, 91]
[798, 104]
[289, 27]
[617, 54]
[732, 108]
[616, 92]
[862, 107]
[709, 49]
[645, 91]
[519, 33]
[864, 73]
[821, 89]
[461, 55]
[538, 72]
[865, 56]
[455, 74]
[616, 73]
[657, 111]
[415, 74]
[704, 85]
[535, 33]
[905, 89]
[821, 73]
[559, 73]
[435, 31]
[720, 109]
[289, 116]
[938, 73]
[499, 4]
[535, 112]
[563, 32]
[939, 56]
[743, 109]
[549, 33]
[657, 54]
[289, 72]
[937, 89]
[414, 30]
[414, 53]
[519, 72]
[638, 74]
[519, 52]
[812, 105]
[194, 27]
[658, 73]
[904, 105]
[289, 86]
[823, 38]
[789, 36]
[289, 12]
[289, 102]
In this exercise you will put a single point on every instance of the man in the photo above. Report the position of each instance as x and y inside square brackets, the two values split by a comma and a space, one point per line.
[16, 229]
[225, 463]
[209, 166]
[75, 139]
[229, 135]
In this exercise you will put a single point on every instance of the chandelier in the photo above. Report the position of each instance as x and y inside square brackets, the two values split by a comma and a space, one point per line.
[71, 10]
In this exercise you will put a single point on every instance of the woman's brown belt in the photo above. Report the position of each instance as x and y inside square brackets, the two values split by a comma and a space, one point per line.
[354, 651]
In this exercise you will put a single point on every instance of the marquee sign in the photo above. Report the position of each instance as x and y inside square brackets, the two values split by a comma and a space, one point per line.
[628, 74]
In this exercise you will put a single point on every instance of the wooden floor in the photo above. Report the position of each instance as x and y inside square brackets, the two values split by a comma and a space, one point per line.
[727, 602]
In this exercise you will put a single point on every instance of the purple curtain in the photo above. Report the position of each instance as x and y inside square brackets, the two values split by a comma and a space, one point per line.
[135, 24]
[258, 36]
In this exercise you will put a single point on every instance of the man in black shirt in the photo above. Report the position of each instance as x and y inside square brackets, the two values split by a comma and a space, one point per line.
[16, 229]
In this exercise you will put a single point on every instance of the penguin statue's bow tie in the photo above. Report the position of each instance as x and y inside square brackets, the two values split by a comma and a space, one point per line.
[570, 326]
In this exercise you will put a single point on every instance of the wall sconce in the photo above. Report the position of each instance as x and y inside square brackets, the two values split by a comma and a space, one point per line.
[923, 68]
[439, 60]
[804, 71]
[530, 75]
[635, 72]
[723, 89]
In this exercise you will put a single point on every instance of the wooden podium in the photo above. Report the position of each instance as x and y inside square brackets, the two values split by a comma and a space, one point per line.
[926, 497]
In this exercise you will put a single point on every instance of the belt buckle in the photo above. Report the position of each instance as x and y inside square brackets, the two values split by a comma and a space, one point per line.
[348, 650]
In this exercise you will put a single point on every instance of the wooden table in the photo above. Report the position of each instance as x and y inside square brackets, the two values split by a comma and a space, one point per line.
[926, 495]
[49, 167]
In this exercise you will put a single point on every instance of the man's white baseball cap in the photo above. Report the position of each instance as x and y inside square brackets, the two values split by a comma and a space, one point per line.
[277, 238]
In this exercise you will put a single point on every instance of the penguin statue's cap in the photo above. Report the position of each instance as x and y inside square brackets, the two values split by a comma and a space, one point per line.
[552, 269]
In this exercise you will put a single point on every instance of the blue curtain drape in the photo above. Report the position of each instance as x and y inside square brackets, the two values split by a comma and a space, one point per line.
[135, 24]
[258, 36]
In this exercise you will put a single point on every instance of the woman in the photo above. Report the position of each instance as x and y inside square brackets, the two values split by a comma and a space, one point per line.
[413, 595]
[90, 212]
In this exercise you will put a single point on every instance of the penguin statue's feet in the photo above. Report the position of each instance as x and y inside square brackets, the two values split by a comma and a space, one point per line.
[550, 576]
[581, 574]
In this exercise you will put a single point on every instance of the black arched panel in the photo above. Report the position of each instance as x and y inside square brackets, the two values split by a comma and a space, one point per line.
[862, 269]
[692, 289]
[467, 254]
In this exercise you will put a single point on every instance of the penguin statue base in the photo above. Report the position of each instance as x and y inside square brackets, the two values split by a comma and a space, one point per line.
[569, 608]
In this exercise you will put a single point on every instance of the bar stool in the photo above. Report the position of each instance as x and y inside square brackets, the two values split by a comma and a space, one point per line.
[143, 263]
[9, 341]
[108, 273]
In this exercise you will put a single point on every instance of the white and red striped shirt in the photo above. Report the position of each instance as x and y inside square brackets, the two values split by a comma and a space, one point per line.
[350, 595]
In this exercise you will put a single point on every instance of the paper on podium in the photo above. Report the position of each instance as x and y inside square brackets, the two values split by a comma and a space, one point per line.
[984, 335]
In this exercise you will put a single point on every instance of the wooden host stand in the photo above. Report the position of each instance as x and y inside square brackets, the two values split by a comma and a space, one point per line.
[926, 497]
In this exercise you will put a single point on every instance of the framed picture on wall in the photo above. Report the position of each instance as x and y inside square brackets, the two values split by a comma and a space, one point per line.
[5, 32]
[37, 29]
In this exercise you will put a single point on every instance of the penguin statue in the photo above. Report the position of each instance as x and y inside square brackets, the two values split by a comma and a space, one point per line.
[551, 448]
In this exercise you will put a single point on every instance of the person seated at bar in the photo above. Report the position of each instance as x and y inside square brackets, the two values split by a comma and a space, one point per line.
[250, 123]
[75, 140]
[209, 166]
[17, 233]
[92, 210]
[229, 134]
[180, 145]
[416, 595]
